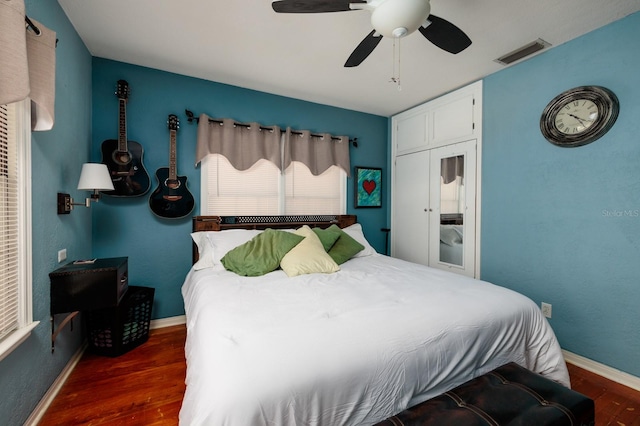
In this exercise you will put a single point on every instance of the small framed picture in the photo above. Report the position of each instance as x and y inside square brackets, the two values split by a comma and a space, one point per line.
[368, 191]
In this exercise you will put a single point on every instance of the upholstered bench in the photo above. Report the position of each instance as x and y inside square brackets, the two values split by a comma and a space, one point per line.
[509, 395]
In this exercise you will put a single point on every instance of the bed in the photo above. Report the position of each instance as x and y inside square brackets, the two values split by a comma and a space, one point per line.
[351, 347]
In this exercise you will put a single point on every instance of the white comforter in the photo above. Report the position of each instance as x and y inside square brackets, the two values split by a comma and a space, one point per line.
[348, 348]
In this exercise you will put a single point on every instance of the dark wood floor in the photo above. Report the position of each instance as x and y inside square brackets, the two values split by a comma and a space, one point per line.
[145, 387]
[142, 387]
[616, 404]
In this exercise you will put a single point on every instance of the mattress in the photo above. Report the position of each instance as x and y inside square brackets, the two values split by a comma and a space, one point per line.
[348, 348]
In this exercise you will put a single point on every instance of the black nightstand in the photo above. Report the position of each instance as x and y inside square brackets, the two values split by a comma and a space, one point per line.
[87, 286]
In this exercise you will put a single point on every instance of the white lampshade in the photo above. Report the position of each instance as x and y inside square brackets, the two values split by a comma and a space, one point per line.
[95, 176]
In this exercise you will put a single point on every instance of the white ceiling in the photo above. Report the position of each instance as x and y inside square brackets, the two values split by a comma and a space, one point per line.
[245, 43]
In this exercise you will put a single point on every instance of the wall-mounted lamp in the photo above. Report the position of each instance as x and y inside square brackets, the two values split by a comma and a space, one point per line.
[94, 177]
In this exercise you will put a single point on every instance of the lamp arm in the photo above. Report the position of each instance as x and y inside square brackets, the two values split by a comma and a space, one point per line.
[66, 202]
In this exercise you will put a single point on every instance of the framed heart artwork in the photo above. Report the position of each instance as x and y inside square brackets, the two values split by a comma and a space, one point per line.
[368, 191]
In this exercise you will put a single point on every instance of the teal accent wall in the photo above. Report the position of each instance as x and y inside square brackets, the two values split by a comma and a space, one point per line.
[159, 249]
[57, 157]
[562, 225]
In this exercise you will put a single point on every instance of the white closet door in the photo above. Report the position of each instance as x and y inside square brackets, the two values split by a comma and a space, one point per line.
[452, 223]
[410, 221]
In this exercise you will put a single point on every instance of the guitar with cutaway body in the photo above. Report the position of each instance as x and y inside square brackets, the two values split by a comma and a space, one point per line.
[172, 198]
[124, 157]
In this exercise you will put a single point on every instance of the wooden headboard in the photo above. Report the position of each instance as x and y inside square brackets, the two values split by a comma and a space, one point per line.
[220, 223]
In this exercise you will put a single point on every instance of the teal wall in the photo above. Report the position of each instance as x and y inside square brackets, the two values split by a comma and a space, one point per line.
[159, 250]
[57, 156]
[562, 225]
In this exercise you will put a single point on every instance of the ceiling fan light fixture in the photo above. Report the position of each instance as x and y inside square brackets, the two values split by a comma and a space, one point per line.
[393, 19]
[399, 32]
[403, 17]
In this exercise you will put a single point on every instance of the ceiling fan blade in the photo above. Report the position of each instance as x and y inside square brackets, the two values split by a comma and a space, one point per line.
[313, 6]
[445, 35]
[363, 50]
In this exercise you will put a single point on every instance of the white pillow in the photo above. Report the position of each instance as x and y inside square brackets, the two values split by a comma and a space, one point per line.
[308, 257]
[355, 232]
[205, 251]
[213, 245]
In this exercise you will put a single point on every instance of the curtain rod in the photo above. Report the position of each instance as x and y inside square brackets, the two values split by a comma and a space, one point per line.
[31, 25]
[191, 117]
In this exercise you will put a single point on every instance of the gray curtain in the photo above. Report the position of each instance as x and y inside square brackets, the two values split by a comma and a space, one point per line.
[245, 143]
[28, 64]
[452, 167]
[242, 144]
[317, 152]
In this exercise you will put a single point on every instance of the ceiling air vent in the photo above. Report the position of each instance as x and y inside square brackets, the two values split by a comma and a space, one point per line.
[522, 52]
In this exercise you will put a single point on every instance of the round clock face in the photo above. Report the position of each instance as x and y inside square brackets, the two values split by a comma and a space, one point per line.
[576, 117]
[579, 116]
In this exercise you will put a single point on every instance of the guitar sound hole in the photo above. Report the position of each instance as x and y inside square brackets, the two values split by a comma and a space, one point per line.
[172, 183]
[121, 157]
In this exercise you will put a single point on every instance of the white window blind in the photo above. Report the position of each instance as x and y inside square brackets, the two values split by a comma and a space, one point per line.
[15, 226]
[263, 190]
[309, 194]
[227, 191]
[9, 274]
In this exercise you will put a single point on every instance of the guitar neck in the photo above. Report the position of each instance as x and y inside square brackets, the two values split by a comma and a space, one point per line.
[173, 172]
[122, 126]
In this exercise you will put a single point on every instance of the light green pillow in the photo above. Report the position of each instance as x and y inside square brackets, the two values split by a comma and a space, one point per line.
[328, 237]
[262, 254]
[345, 247]
[308, 257]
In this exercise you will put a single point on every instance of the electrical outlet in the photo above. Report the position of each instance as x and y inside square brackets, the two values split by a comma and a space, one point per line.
[62, 255]
[546, 309]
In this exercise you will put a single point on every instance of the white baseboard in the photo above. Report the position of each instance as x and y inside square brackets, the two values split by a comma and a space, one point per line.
[52, 392]
[168, 322]
[49, 396]
[610, 373]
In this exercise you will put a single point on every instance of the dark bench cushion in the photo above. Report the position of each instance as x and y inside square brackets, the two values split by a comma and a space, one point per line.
[509, 395]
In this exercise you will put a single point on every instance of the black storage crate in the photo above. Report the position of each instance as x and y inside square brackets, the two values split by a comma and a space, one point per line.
[115, 331]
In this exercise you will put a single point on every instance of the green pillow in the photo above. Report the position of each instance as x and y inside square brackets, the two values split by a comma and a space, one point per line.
[328, 237]
[262, 254]
[345, 247]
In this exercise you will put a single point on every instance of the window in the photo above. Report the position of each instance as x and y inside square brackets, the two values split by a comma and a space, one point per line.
[308, 194]
[263, 190]
[16, 320]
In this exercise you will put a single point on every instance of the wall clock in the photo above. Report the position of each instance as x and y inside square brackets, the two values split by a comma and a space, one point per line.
[579, 116]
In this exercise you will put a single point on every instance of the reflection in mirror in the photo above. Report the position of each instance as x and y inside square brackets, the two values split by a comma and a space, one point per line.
[452, 209]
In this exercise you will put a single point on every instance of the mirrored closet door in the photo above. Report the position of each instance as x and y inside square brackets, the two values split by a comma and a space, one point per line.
[452, 208]
[434, 207]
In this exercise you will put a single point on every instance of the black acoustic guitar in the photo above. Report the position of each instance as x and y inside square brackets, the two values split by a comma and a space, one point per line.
[123, 157]
[172, 198]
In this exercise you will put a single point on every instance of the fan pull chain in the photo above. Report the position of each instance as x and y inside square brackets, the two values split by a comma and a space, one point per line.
[396, 72]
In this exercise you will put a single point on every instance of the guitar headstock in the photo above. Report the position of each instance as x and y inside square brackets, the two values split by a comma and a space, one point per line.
[122, 89]
[173, 122]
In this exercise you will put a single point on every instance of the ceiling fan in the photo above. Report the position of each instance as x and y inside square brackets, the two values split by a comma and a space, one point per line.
[389, 18]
